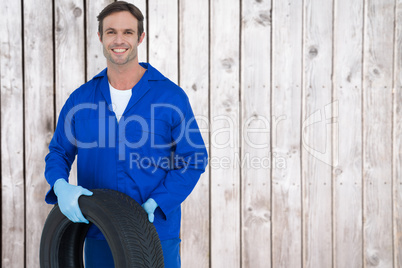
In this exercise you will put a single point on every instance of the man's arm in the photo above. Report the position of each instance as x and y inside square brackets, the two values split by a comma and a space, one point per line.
[61, 151]
[190, 161]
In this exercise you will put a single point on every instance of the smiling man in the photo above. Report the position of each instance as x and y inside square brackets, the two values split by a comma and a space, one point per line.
[129, 109]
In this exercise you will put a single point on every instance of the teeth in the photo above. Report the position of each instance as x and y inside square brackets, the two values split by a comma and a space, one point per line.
[119, 50]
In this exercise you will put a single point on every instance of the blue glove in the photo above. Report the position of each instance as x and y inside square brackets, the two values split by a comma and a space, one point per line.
[150, 205]
[67, 197]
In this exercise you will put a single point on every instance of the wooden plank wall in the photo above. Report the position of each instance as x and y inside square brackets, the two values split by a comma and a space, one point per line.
[12, 136]
[347, 176]
[299, 103]
[286, 117]
[194, 48]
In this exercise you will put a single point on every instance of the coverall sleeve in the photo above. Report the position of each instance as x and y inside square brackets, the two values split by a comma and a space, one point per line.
[190, 162]
[62, 150]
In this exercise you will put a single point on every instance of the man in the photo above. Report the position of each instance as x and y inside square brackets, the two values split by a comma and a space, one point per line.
[125, 125]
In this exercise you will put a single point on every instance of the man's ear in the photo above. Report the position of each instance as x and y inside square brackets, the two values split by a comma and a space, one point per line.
[141, 38]
[100, 38]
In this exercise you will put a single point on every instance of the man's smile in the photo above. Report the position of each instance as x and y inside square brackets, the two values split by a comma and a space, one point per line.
[119, 50]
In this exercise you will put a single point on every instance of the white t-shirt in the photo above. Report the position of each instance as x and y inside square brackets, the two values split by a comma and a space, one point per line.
[120, 99]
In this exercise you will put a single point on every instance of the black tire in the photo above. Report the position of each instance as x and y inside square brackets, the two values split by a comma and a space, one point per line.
[133, 240]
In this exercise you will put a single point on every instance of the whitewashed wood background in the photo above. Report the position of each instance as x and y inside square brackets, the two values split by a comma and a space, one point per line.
[312, 89]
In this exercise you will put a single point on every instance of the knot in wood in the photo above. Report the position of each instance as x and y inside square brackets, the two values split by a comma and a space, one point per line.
[77, 12]
[373, 260]
[264, 18]
[313, 52]
[227, 104]
[338, 171]
[227, 64]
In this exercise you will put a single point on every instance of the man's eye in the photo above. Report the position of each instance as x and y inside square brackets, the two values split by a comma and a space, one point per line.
[110, 32]
[129, 32]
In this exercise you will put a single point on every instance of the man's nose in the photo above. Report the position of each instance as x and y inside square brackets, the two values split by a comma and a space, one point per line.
[119, 38]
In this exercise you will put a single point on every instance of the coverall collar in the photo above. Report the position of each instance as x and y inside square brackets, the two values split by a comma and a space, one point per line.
[138, 91]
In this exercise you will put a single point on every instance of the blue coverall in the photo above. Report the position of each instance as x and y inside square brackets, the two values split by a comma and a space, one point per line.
[154, 151]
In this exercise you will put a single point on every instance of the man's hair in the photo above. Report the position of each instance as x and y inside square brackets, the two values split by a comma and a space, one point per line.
[118, 7]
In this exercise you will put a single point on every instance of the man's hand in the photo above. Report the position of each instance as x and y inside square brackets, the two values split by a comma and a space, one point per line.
[67, 197]
[150, 205]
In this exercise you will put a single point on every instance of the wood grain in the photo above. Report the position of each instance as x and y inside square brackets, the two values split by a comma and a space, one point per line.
[163, 37]
[95, 60]
[397, 141]
[39, 118]
[224, 103]
[70, 60]
[255, 134]
[287, 71]
[12, 131]
[347, 140]
[70, 55]
[377, 134]
[316, 134]
[194, 75]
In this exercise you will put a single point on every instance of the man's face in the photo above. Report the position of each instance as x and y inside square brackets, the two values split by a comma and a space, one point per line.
[120, 37]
